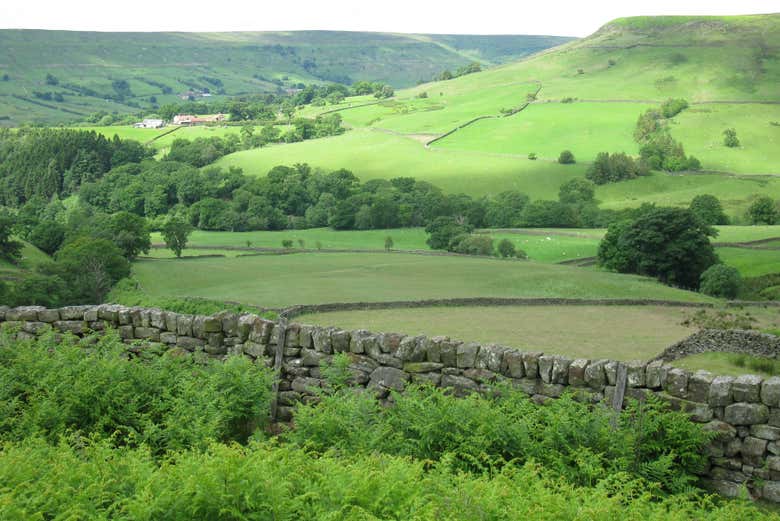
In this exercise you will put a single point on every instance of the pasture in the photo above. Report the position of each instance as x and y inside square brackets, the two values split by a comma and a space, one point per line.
[284, 280]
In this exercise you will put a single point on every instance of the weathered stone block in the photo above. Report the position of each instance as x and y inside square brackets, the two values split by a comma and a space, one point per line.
[322, 341]
[460, 385]
[289, 398]
[254, 349]
[765, 432]
[171, 321]
[746, 413]
[73, 312]
[388, 360]
[157, 318]
[610, 371]
[560, 370]
[90, 314]
[184, 325]
[531, 364]
[305, 337]
[189, 343]
[545, 368]
[77, 327]
[635, 371]
[655, 374]
[49, 315]
[339, 340]
[228, 322]
[356, 341]
[676, 382]
[422, 367]
[126, 332]
[723, 487]
[388, 378]
[771, 491]
[720, 391]
[411, 350]
[480, 375]
[433, 379]
[700, 412]
[595, 376]
[389, 343]
[467, 355]
[753, 446]
[490, 357]
[312, 358]
[433, 350]
[23, 313]
[306, 385]
[35, 328]
[529, 386]
[147, 333]
[211, 324]
[124, 316]
[292, 336]
[773, 463]
[770, 391]
[699, 386]
[722, 430]
[363, 363]
[513, 360]
[551, 390]
[577, 372]
[168, 338]
[747, 388]
[449, 353]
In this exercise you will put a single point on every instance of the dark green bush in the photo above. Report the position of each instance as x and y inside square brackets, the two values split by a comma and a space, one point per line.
[566, 158]
[720, 280]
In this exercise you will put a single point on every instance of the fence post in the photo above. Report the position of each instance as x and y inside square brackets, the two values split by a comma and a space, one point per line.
[281, 339]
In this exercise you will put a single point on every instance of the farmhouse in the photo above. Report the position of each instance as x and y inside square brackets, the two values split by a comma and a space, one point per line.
[189, 119]
[150, 123]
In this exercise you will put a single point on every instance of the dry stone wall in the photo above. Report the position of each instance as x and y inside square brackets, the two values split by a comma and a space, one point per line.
[744, 412]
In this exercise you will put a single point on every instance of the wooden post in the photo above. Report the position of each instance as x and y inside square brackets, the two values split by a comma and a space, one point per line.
[281, 339]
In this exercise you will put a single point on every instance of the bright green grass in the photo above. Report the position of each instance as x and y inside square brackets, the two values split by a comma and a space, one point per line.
[751, 262]
[547, 128]
[727, 364]
[143, 135]
[403, 239]
[700, 129]
[550, 248]
[283, 280]
[146, 135]
[31, 258]
[373, 154]
[165, 253]
[614, 332]
[746, 233]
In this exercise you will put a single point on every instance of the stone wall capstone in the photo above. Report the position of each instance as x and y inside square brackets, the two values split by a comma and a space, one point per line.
[744, 412]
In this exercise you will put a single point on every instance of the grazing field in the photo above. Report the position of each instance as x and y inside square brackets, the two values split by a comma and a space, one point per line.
[146, 135]
[751, 262]
[613, 332]
[729, 364]
[31, 257]
[284, 280]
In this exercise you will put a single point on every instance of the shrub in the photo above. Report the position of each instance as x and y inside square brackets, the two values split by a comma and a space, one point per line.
[708, 209]
[576, 191]
[287, 243]
[611, 168]
[721, 281]
[443, 229]
[506, 248]
[388, 243]
[566, 158]
[532, 156]
[671, 107]
[763, 211]
[730, 138]
[472, 244]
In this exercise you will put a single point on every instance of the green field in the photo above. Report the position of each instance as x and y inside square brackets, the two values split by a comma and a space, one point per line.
[612, 80]
[726, 364]
[284, 280]
[614, 332]
[31, 257]
[751, 262]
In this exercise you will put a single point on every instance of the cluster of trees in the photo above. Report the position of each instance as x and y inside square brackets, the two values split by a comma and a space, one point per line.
[658, 150]
[611, 168]
[46, 162]
[378, 89]
[463, 70]
[764, 210]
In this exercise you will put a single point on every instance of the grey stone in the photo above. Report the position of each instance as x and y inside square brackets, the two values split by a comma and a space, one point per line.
[699, 412]
[720, 391]
[460, 385]
[529, 386]
[36, 328]
[774, 417]
[531, 364]
[595, 376]
[513, 360]
[610, 370]
[388, 360]
[490, 357]
[577, 372]
[724, 487]
[723, 431]
[545, 368]
[765, 432]
[288, 352]
[49, 315]
[147, 333]
[635, 373]
[289, 398]
[23, 313]
[292, 336]
[90, 314]
[189, 343]
[305, 337]
[422, 367]
[449, 353]
[168, 337]
[211, 324]
[467, 355]
[747, 388]
[322, 341]
[433, 350]
[363, 363]
[73, 312]
[77, 327]
[157, 318]
[699, 386]
[254, 349]
[770, 391]
[433, 379]
[339, 340]
[126, 332]
[388, 378]
[753, 446]
[310, 357]
[171, 321]
[305, 385]
[676, 382]
[746, 413]
[411, 350]
[356, 341]
[560, 370]
[184, 325]
[480, 375]
[389, 343]
[551, 390]
[655, 374]
[773, 463]
[771, 491]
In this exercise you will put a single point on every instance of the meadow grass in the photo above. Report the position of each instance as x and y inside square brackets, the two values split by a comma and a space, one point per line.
[751, 262]
[729, 364]
[614, 332]
[311, 278]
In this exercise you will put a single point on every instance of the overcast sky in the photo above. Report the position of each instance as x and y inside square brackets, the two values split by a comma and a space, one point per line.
[557, 17]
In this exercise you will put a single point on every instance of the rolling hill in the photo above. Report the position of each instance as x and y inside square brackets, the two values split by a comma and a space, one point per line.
[586, 96]
[86, 65]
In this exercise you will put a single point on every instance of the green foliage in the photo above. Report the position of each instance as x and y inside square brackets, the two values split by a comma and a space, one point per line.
[549, 214]
[720, 319]
[506, 248]
[90, 267]
[175, 232]
[611, 168]
[56, 388]
[47, 236]
[730, 138]
[479, 434]
[708, 209]
[763, 210]
[670, 244]
[472, 244]
[388, 243]
[129, 232]
[10, 250]
[720, 280]
[576, 191]
[566, 158]
[287, 243]
[443, 229]
[671, 107]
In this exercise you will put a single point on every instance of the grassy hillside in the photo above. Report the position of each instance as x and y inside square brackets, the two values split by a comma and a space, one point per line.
[589, 94]
[166, 64]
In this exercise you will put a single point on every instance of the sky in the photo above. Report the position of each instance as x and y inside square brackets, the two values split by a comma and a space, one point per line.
[554, 17]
